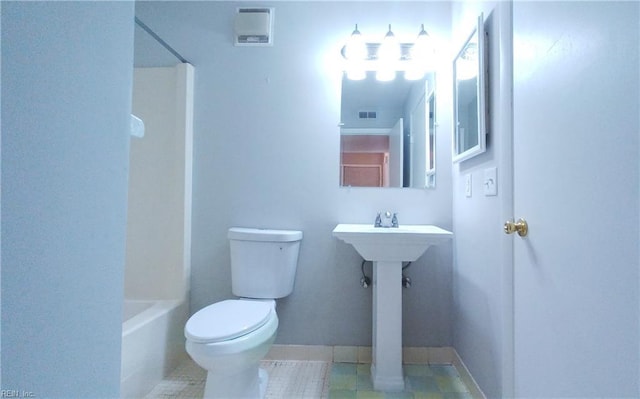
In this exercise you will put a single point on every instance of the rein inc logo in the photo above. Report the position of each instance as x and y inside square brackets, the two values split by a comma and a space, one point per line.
[15, 393]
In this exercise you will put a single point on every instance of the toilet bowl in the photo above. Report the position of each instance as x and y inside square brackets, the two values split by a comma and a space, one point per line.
[229, 338]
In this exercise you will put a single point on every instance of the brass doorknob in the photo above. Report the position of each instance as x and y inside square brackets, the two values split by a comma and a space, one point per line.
[520, 226]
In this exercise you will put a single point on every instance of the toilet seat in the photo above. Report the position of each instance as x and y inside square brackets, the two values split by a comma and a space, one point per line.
[226, 320]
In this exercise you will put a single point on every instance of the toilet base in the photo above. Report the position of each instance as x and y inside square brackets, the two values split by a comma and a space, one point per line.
[250, 383]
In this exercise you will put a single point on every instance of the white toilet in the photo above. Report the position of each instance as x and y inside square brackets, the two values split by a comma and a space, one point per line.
[229, 338]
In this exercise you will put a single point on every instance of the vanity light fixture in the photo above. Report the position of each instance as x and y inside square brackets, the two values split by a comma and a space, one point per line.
[388, 57]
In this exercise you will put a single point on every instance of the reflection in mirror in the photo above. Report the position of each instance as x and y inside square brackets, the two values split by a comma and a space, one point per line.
[387, 134]
[469, 97]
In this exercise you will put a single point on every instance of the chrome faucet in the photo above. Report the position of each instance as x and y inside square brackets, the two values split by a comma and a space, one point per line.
[386, 220]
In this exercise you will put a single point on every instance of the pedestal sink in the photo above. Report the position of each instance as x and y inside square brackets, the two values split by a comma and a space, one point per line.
[388, 248]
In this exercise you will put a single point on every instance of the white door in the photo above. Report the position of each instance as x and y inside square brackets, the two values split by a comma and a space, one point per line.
[576, 128]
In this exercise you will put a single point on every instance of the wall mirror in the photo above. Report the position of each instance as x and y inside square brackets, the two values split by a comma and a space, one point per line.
[469, 96]
[387, 132]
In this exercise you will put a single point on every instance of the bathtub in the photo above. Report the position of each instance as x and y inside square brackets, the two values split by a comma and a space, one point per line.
[152, 343]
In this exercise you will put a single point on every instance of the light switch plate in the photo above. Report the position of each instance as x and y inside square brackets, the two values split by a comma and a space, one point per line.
[490, 183]
[467, 185]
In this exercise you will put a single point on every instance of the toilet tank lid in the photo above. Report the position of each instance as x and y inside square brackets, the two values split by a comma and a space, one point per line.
[255, 234]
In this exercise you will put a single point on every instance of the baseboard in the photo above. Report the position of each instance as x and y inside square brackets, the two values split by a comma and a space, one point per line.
[300, 352]
[467, 378]
[362, 354]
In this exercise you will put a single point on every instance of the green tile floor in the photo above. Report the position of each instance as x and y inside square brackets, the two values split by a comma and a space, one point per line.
[422, 381]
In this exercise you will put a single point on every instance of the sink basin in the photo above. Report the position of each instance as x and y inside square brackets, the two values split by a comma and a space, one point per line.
[394, 244]
[388, 248]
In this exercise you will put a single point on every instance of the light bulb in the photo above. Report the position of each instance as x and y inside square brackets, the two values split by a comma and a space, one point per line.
[389, 50]
[389, 54]
[356, 48]
[422, 49]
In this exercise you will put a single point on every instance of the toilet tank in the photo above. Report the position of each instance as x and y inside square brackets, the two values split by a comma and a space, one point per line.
[263, 261]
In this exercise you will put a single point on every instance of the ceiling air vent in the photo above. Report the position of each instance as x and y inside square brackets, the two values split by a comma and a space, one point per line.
[367, 115]
[254, 27]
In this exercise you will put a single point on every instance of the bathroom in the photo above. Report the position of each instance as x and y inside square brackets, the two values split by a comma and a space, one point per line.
[279, 168]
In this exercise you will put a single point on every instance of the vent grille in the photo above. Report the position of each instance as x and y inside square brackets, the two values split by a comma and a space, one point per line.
[254, 27]
[253, 39]
[367, 115]
[253, 10]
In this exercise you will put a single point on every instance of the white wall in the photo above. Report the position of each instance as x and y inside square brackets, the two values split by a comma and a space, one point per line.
[266, 154]
[66, 90]
[159, 211]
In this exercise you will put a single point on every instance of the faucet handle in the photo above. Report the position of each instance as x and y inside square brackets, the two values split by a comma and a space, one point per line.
[394, 221]
[378, 222]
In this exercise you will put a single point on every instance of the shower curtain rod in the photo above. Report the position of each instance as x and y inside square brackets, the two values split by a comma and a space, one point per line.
[159, 40]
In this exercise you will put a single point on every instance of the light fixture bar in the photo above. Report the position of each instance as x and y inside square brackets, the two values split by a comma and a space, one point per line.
[388, 57]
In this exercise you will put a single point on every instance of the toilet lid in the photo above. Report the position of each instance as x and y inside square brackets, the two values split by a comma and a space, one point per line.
[227, 320]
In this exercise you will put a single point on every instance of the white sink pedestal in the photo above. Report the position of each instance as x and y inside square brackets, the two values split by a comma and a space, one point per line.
[387, 248]
[386, 355]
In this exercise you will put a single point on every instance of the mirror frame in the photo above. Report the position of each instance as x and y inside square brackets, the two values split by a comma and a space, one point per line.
[480, 94]
[429, 98]
[431, 150]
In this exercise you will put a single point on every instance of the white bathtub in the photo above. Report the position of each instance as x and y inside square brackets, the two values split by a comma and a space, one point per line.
[152, 343]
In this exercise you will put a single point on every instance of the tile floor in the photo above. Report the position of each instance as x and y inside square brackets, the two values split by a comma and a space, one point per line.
[422, 381]
[186, 381]
[297, 379]
[287, 379]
